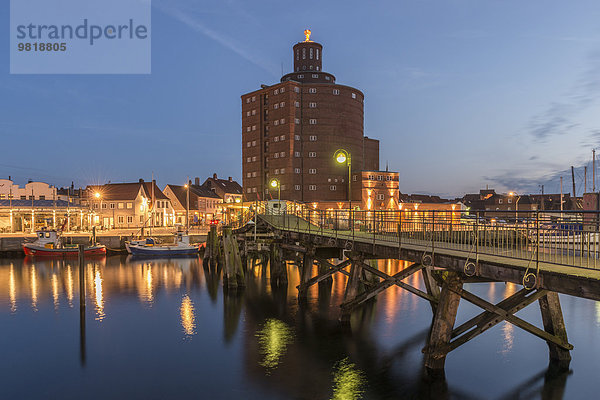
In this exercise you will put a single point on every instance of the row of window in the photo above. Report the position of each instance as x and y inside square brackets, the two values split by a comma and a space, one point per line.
[253, 112]
[296, 187]
[379, 177]
[304, 53]
[249, 99]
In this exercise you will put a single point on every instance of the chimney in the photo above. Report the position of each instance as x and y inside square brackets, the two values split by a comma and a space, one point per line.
[197, 181]
[215, 175]
[230, 179]
[141, 180]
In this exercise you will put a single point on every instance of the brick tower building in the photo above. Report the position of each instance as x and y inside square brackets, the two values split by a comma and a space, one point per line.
[290, 131]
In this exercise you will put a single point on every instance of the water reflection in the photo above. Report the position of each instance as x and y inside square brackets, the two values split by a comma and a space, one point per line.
[12, 289]
[348, 381]
[69, 287]
[188, 319]
[98, 296]
[34, 289]
[55, 290]
[273, 338]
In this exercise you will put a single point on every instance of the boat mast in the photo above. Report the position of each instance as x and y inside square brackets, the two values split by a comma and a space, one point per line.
[187, 208]
[152, 204]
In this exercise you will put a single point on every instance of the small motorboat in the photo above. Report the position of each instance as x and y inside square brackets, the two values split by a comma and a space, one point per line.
[48, 244]
[148, 247]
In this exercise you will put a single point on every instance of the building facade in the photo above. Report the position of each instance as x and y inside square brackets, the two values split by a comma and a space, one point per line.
[291, 130]
[203, 204]
[31, 191]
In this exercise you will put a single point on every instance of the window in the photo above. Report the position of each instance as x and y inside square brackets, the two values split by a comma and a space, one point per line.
[276, 122]
[301, 76]
[282, 90]
[282, 170]
[282, 138]
[509, 200]
[371, 177]
[276, 106]
[282, 154]
[254, 174]
[253, 98]
[249, 190]
[317, 54]
[121, 219]
[253, 127]
[311, 53]
[354, 178]
[312, 138]
[96, 205]
[296, 187]
[296, 170]
[248, 129]
[388, 178]
[315, 75]
[327, 78]
[112, 206]
[254, 112]
[312, 154]
[380, 197]
[254, 143]
[276, 139]
[249, 175]
[248, 159]
[312, 187]
[353, 95]
[253, 190]
[282, 104]
[312, 121]
[296, 88]
[312, 90]
[277, 172]
[379, 177]
[276, 155]
[130, 205]
[312, 105]
[304, 54]
[248, 144]
[297, 104]
[312, 171]
[282, 121]
[297, 122]
[276, 91]
[297, 154]
[247, 99]
[499, 201]
[130, 219]
[296, 137]
[121, 206]
[247, 113]
[254, 158]
[141, 218]
[336, 92]
[332, 187]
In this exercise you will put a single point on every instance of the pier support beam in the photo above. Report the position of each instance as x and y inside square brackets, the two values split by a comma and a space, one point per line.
[431, 286]
[443, 322]
[233, 276]
[305, 272]
[278, 268]
[353, 286]
[554, 324]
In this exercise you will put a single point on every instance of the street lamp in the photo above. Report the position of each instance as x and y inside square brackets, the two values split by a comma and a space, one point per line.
[274, 183]
[343, 157]
[513, 194]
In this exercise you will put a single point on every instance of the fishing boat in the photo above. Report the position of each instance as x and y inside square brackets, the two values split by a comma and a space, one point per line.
[148, 247]
[48, 244]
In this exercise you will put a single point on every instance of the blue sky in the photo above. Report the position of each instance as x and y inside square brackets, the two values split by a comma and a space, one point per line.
[461, 93]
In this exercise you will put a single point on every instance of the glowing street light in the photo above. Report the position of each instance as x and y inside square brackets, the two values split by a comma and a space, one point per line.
[275, 184]
[343, 157]
[513, 194]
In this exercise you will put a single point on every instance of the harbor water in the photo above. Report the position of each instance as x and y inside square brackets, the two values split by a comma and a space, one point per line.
[165, 329]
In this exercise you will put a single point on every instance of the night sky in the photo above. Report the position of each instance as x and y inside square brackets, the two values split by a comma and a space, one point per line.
[461, 93]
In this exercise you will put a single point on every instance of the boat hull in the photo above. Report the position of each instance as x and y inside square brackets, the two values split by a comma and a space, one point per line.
[41, 251]
[161, 251]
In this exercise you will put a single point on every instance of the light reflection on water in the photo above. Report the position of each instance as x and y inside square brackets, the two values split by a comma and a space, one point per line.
[258, 335]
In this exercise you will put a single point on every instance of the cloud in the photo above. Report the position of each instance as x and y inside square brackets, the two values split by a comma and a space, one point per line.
[558, 118]
[220, 38]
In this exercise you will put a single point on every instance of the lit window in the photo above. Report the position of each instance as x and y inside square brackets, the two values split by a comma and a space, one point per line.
[297, 170]
[276, 106]
[297, 122]
[282, 154]
[336, 92]
[353, 95]
[276, 91]
[304, 54]
[315, 75]
[282, 137]
[312, 171]
[282, 104]
[129, 205]
[297, 154]
[296, 187]
[297, 104]
[296, 137]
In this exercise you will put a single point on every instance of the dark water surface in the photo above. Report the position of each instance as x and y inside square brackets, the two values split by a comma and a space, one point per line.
[164, 329]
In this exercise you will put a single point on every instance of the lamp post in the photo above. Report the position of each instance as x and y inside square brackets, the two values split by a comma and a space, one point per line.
[187, 208]
[98, 196]
[343, 157]
[274, 183]
[513, 194]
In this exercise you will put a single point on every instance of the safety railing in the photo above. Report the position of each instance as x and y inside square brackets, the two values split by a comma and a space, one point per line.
[570, 238]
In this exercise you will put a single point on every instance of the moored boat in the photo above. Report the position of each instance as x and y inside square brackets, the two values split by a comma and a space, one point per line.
[48, 244]
[148, 247]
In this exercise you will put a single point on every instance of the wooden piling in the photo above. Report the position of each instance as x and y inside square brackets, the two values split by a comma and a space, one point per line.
[431, 286]
[353, 287]
[233, 276]
[554, 324]
[277, 267]
[442, 324]
[306, 272]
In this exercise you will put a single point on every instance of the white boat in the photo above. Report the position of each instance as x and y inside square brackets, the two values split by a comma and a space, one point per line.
[148, 247]
[48, 244]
